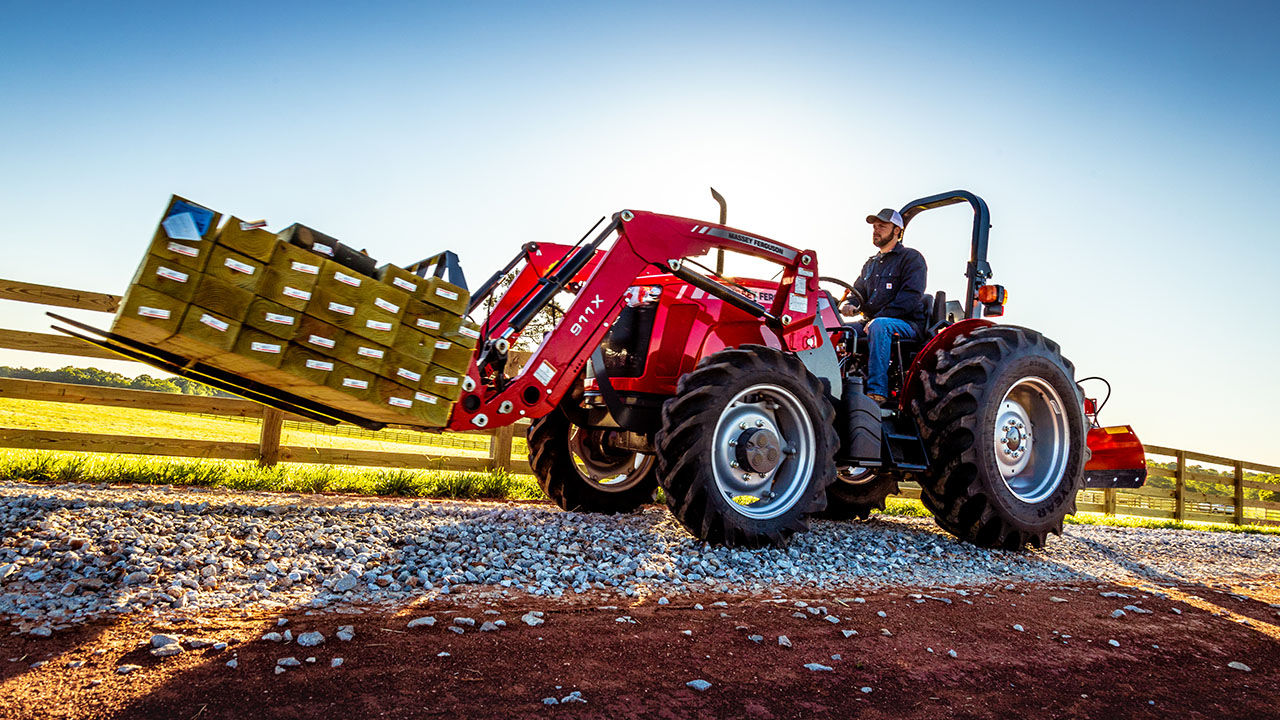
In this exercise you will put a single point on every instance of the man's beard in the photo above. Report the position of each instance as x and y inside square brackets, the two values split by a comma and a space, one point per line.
[881, 243]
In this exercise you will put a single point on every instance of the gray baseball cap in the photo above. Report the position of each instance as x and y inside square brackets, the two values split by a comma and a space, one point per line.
[888, 215]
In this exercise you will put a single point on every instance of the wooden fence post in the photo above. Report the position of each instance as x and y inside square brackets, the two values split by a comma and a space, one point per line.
[500, 447]
[269, 441]
[1238, 515]
[1180, 488]
[1109, 501]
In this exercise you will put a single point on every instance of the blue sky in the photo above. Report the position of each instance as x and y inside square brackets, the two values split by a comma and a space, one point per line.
[1129, 154]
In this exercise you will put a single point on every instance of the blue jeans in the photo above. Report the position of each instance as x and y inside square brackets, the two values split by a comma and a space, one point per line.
[880, 332]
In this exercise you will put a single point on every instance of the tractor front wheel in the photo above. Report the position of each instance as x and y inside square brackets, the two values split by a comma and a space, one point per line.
[578, 471]
[1003, 422]
[745, 453]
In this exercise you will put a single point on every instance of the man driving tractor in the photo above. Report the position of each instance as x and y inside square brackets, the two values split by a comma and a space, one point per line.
[891, 284]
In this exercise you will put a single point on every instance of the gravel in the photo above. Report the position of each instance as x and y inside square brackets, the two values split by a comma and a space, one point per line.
[130, 549]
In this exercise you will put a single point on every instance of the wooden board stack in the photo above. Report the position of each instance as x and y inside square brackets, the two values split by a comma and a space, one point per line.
[301, 312]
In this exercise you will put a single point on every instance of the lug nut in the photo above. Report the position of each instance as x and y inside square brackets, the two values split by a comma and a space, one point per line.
[733, 464]
[733, 443]
[742, 425]
[759, 423]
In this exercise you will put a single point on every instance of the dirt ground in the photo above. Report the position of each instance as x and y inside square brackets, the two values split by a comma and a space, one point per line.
[1165, 664]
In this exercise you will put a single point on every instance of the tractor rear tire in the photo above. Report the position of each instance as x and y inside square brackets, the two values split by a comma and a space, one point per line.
[746, 448]
[584, 476]
[1003, 422]
[855, 495]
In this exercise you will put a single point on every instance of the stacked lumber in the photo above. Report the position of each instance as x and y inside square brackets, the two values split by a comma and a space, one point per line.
[304, 313]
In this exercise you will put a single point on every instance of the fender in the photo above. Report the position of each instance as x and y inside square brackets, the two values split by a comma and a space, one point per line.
[944, 340]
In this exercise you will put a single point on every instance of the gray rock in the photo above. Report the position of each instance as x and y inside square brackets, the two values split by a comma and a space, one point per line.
[126, 669]
[1113, 643]
[531, 619]
[336, 662]
[848, 633]
[756, 638]
[1019, 628]
[162, 640]
[700, 685]
[1117, 613]
[273, 637]
[427, 621]
[288, 662]
[866, 690]
[136, 578]
[1236, 665]
[817, 667]
[167, 650]
[279, 669]
[456, 629]
[487, 626]
[784, 641]
[832, 619]
[310, 639]
[41, 631]
[465, 621]
[346, 632]
[233, 663]
[550, 701]
[663, 601]
[573, 697]
[952, 653]
[1056, 599]
[346, 583]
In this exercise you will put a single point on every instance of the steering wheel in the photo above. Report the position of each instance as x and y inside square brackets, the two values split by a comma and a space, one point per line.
[851, 295]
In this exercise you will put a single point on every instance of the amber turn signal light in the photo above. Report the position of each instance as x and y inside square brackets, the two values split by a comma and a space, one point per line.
[992, 295]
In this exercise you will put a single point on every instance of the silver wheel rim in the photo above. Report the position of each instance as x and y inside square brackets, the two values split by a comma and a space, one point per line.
[1032, 440]
[855, 476]
[607, 474]
[755, 422]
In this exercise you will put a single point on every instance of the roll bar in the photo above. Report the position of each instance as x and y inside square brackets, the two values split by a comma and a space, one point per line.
[978, 271]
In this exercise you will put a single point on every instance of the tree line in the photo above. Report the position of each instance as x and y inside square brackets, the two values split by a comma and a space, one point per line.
[105, 378]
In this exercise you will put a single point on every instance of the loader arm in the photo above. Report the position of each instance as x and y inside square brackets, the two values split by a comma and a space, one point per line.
[599, 278]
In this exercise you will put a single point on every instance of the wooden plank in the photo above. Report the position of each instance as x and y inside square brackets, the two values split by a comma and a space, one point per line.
[269, 440]
[1272, 486]
[1238, 517]
[1149, 491]
[1264, 504]
[410, 461]
[1180, 487]
[1159, 450]
[50, 343]
[125, 444]
[122, 397]
[1200, 476]
[1219, 519]
[61, 297]
[1144, 512]
[500, 448]
[909, 493]
[1109, 501]
[1268, 469]
[1088, 507]
[1195, 497]
[1206, 457]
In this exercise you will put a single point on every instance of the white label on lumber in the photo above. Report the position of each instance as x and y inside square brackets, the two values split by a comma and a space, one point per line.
[323, 342]
[319, 365]
[181, 227]
[408, 374]
[545, 373]
[377, 325]
[443, 344]
[354, 383]
[400, 402]
[446, 380]
[370, 352]
[157, 313]
[214, 322]
[294, 292]
[279, 319]
[447, 293]
[239, 267]
[304, 268]
[404, 284]
[386, 305]
[171, 274]
[428, 324]
[345, 278]
[340, 308]
[264, 347]
[323, 249]
[469, 332]
[181, 249]
[426, 398]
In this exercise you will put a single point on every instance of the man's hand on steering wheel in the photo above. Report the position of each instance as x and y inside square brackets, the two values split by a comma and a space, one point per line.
[851, 302]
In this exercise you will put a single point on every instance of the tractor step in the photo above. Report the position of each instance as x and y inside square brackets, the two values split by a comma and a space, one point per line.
[903, 444]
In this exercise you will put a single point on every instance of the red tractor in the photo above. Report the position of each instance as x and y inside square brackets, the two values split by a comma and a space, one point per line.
[743, 399]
